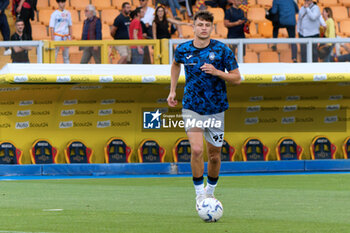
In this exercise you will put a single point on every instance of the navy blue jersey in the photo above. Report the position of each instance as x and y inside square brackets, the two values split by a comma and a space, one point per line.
[205, 93]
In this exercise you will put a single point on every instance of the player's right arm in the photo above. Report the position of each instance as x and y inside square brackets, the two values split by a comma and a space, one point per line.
[175, 74]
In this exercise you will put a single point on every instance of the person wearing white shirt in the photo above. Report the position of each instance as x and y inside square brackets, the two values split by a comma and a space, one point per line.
[61, 27]
[308, 27]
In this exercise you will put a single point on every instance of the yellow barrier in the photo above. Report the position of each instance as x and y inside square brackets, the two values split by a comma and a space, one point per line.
[49, 48]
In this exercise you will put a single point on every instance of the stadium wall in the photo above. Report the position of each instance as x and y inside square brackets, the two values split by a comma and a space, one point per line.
[96, 102]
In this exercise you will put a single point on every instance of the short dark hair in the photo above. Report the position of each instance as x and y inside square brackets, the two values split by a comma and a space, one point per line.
[204, 15]
[134, 13]
[125, 3]
[60, 1]
[19, 20]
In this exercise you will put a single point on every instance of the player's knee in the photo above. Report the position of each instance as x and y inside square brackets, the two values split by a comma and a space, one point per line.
[197, 150]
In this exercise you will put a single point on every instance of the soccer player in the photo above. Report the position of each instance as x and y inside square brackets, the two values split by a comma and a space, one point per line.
[205, 61]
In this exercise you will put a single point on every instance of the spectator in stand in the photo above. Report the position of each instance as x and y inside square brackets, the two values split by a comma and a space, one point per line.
[135, 33]
[218, 3]
[325, 50]
[173, 4]
[188, 4]
[20, 53]
[4, 25]
[286, 10]
[92, 30]
[120, 31]
[161, 24]
[308, 27]
[234, 21]
[342, 58]
[61, 28]
[24, 9]
[146, 22]
[148, 18]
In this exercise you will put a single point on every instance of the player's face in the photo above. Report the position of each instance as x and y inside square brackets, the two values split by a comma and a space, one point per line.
[202, 29]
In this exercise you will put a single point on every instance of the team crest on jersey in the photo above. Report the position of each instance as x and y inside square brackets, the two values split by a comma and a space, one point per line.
[211, 56]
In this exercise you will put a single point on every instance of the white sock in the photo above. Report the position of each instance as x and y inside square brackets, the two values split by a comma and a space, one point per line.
[210, 189]
[199, 189]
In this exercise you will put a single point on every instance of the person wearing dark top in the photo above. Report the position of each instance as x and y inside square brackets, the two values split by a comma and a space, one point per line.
[161, 24]
[24, 9]
[92, 30]
[19, 53]
[4, 25]
[120, 31]
[234, 21]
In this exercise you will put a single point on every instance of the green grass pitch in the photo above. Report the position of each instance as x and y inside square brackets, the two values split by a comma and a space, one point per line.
[252, 204]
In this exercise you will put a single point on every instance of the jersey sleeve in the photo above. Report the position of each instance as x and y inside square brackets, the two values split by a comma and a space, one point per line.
[69, 19]
[52, 20]
[229, 59]
[177, 55]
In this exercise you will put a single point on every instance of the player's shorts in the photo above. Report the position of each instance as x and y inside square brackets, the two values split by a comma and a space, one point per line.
[212, 125]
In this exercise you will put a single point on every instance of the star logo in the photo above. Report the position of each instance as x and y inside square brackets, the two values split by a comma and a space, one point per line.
[151, 120]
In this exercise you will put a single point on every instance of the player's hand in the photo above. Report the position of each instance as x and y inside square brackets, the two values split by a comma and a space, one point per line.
[172, 102]
[209, 69]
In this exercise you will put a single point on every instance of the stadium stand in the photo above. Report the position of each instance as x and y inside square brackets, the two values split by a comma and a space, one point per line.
[345, 3]
[102, 4]
[44, 16]
[340, 13]
[218, 13]
[106, 32]
[264, 3]
[44, 4]
[78, 4]
[118, 4]
[75, 17]
[108, 15]
[265, 29]
[41, 32]
[251, 57]
[328, 2]
[345, 28]
[256, 14]
[268, 56]
[77, 30]
[187, 31]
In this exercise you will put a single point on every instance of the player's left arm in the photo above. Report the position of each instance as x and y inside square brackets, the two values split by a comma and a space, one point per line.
[233, 76]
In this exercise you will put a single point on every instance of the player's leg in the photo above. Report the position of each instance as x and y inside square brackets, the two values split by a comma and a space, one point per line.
[195, 137]
[214, 163]
[214, 139]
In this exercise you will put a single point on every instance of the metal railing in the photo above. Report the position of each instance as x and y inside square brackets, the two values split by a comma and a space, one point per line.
[38, 44]
[241, 42]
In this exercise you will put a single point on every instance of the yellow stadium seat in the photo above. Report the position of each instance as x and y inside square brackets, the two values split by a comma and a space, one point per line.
[328, 2]
[257, 47]
[251, 57]
[43, 4]
[77, 30]
[345, 27]
[339, 13]
[281, 47]
[79, 4]
[256, 14]
[105, 4]
[40, 32]
[118, 3]
[268, 56]
[187, 31]
[253, 31]
[345, 3]
[286, 56]
[265, 29]
[264, 3]
[108, 16]
[45, 15]
[75, 16]
[218, 13]
[221, 30]
[106, 32]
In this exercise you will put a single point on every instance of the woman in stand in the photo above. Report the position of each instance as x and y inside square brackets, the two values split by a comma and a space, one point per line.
[161, 24]
[325, 50]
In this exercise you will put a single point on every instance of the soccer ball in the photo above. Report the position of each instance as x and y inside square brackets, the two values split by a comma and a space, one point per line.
[210, 210]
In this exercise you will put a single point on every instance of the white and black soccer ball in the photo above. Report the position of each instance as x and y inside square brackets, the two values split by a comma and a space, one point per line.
[210, 210]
